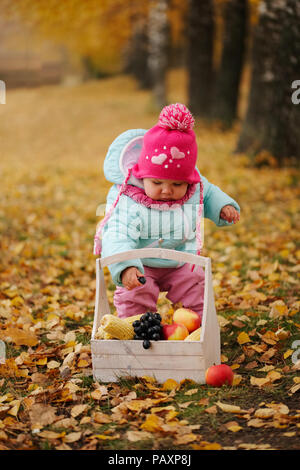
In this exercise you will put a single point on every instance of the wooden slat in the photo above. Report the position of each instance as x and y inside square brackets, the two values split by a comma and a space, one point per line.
[158, 348]
[109, 361]
[162, 253]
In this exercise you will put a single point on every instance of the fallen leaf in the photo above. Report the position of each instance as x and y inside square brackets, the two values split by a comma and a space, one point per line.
[230, 408]
[233, 426]
[51, 434]
[264, 413]
[191, 391]
[135, 436]
[243, 338]
[78, 410]
[42, 415]
[105, 437]
[18, 336]
[170, 384]
[259, 381]
[185, 439]
[278, 309]
[211, 410]
[72, 437]
[152, 423]
[53, 364]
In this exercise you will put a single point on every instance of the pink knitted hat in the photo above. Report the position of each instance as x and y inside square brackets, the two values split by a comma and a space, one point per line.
[169, 148]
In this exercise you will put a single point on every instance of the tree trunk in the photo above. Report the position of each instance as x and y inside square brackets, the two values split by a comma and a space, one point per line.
[272, 120]
[229, 74]
[136, 54]
[200, 34]
[158, 36]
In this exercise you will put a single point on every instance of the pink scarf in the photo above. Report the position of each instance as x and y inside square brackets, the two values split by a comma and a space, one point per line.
[139, 195]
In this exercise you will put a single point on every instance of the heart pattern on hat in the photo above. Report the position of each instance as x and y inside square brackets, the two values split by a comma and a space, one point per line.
[159, 159]
[175, 152]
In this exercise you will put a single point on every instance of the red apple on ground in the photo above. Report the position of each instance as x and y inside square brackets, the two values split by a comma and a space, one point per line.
[174, 331]
[218, 375]
[187, 317]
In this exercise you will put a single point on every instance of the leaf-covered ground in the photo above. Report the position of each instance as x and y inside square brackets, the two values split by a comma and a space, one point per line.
[53, 142]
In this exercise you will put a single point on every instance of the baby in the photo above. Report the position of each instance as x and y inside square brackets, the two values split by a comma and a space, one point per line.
[160, 203]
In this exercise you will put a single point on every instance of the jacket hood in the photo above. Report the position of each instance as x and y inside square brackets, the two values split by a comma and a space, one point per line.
[123, 154]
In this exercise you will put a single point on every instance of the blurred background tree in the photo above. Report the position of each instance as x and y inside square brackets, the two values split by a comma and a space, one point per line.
[272, 121]
[200, 34]
[158, 47]
[228, 77]
[215, 41]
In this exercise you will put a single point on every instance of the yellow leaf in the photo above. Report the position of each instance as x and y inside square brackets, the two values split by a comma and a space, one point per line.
[18, 336]
[16, 301]
[82, 363]
[153, 423]
[273, 375]
[260, 382]
[148, 379]
[229, 408]
[185, 439]
[170, 384]
[14, 410]
[42, 361]
[233, 426]
[243, 338]
[237, 379]
[207, 446]
[191, 391]
[159, 409]
[288, 353]
[278, 309]
[284, 253]
[104, 437]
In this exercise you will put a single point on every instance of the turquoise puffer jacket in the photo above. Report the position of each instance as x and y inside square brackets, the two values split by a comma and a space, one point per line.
[133, 224]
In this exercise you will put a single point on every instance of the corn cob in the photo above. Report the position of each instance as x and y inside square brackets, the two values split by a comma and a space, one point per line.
[194, 336]
[132, 318]
[101, 334]
[117, 327]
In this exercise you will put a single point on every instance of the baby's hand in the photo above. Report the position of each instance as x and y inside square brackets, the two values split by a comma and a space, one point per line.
[130, 276]
[230, 214]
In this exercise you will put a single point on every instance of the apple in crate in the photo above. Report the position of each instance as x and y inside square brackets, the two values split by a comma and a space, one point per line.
[174, 331]
[218, 375]
[187, 317]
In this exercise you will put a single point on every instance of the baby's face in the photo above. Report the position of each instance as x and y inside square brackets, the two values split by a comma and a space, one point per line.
[164, 190]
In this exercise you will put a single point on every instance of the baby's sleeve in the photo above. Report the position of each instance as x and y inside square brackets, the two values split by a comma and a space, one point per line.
[214, 199]
[121, 233]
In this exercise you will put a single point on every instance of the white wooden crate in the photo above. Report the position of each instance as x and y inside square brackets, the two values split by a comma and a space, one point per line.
[178, 360]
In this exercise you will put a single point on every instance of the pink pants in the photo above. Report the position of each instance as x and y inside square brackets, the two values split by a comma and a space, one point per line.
[181, 284]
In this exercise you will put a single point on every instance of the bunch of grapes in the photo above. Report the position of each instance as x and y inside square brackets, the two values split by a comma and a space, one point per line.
[148, 327]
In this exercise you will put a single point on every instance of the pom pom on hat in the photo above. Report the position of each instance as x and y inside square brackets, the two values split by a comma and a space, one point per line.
[176, 117]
